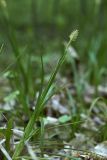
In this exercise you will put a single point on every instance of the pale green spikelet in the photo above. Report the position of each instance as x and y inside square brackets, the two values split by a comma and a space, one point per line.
[73, 36]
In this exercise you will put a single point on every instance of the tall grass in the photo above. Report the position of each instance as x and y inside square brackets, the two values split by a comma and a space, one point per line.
[41, 100]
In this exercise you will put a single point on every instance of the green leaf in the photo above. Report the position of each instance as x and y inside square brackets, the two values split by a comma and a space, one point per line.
[64, 119]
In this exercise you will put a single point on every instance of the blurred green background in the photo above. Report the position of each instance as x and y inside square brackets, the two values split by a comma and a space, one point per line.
[42, 26]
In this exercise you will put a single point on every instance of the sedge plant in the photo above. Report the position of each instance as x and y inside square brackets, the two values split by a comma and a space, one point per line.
[42, 98]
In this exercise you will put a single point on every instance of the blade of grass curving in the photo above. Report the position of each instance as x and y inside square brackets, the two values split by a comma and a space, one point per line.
[93, 105]
[42, 80]
[1, 48]
[67, 124]
[49, 96]
[39, 106]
